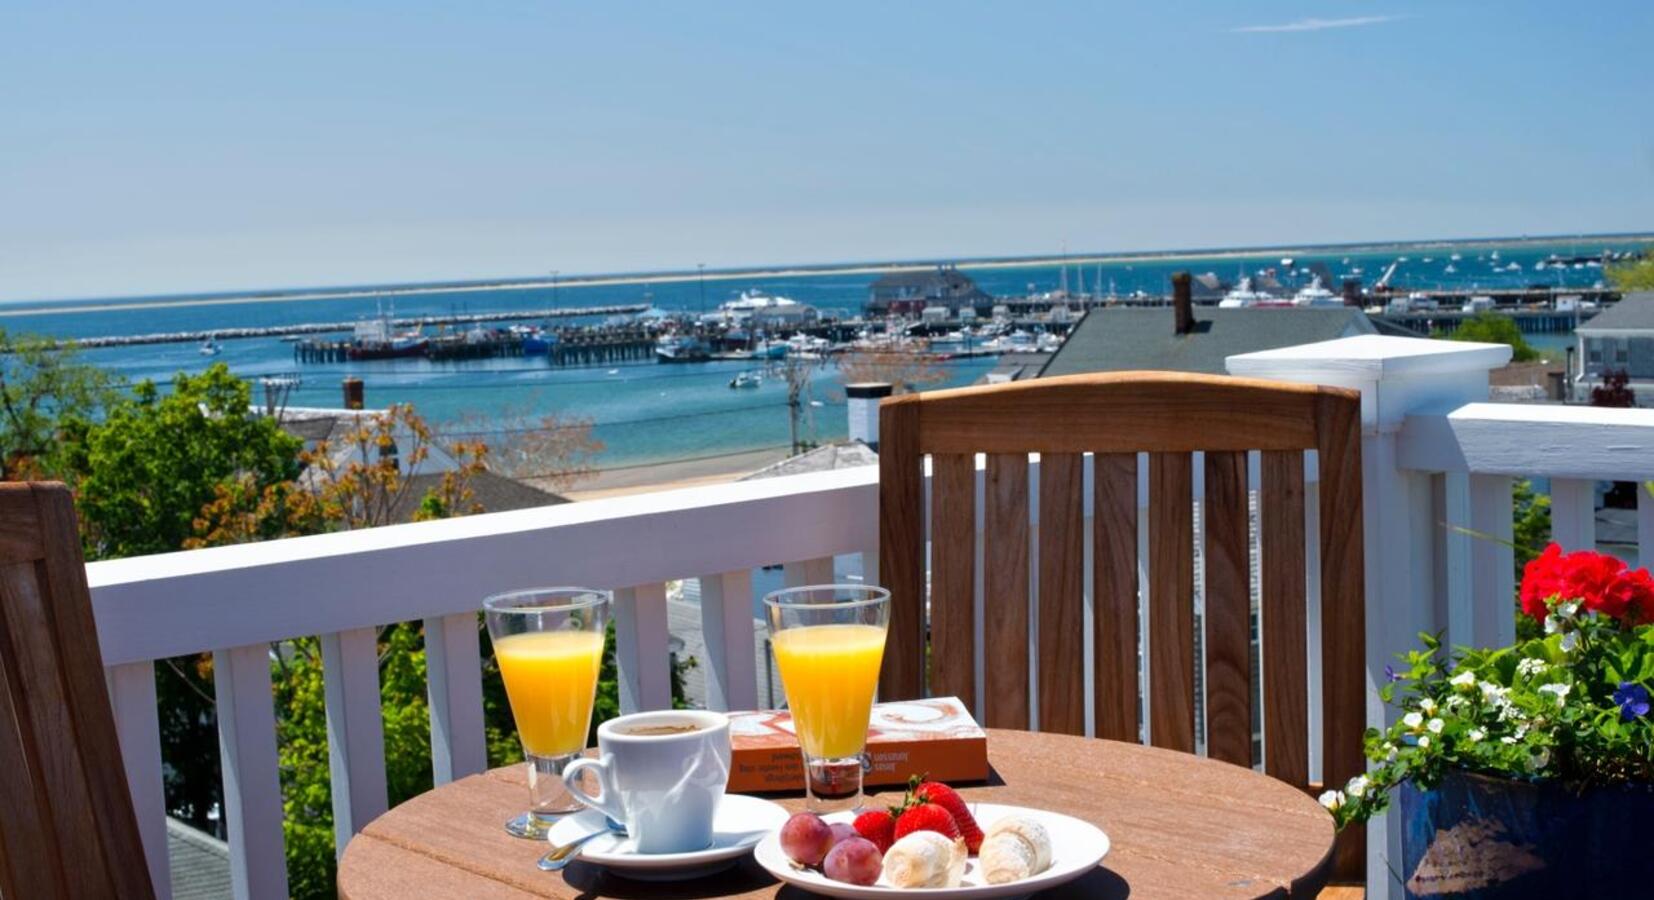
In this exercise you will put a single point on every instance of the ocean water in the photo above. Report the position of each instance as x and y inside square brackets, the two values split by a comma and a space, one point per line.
[646, 412]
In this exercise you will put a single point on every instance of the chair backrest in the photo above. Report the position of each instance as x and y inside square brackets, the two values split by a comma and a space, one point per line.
[1112, 418]
[67, 828]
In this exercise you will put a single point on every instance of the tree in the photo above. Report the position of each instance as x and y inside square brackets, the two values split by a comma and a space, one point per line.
[906, 371]
[797, 371]
[1637, 275]
[147, 469]
[1491, 328]
[556, 450]
[1615, 391]
[43, 383]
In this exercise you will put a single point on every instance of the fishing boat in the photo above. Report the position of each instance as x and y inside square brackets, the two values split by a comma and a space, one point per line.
[678, 348]
[747, 379]
[209, 347]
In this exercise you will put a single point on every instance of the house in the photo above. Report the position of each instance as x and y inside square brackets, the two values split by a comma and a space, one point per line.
[1619, 339]
[1174, 338]
[909, 293]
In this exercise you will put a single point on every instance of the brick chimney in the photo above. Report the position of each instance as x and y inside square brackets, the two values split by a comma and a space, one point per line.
[353, 393]
[1183, 309]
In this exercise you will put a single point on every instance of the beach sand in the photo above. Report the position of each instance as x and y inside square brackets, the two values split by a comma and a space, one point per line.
[666, 476]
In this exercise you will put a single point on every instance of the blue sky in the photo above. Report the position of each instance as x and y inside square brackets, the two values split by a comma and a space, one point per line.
[162, 147]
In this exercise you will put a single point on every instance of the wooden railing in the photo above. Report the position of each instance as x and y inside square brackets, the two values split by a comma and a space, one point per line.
[1437, 468]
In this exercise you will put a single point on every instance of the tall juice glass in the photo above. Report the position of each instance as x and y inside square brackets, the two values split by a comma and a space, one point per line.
[828, 642]
[549, 644]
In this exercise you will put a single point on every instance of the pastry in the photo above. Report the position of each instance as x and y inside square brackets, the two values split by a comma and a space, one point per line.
[1014, 848]
[925, 859]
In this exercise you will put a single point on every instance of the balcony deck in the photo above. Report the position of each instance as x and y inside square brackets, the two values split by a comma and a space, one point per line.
[1438, 462]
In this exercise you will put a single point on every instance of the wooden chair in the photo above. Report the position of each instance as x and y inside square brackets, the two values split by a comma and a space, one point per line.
[1115, 416]
[67, 827]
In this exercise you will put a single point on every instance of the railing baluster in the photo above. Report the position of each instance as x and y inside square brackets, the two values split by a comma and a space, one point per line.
[808, 571]
[1645, 526]
[137, 723]
[355, 730]
[453, 675]
[252, 785]
[1493, 585]
[726, 623]
[642, 648]
[1573, 513]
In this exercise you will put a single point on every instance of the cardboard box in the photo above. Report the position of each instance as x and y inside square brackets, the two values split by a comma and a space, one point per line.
[936, 736]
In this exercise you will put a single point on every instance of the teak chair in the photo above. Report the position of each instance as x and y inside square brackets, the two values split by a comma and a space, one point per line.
[67, 827]
[1115, 416]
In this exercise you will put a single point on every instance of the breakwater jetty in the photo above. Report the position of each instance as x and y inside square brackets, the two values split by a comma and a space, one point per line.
[268, 331]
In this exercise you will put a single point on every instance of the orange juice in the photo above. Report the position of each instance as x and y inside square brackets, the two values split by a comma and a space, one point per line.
[550, 678]
[830, 673]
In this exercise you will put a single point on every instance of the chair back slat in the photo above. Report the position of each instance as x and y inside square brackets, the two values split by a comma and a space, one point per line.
[901, 551]
[1111, 423]
[1114, 591]
[1283, 615]
[1061, 593]
[1171, 601]
[1228, 622]
[1343, 610]
[63, 763]
[953, 576]
[1005, 590]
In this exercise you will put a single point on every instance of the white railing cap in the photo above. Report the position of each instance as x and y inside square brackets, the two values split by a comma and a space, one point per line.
[1370, 357]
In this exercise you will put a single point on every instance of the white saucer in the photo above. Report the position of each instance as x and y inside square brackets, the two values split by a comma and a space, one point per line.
[740, 822]
[1076, 848]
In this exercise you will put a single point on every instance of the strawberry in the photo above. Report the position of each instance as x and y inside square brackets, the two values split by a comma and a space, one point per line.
[940, 794]
[878, 826]
[926, 817]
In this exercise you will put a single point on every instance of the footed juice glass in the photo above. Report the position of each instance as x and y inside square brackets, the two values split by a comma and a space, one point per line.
[829, 643]
[549, 644]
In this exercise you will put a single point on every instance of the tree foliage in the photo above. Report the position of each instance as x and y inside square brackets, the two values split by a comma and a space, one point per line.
[1615, 391]
[42, 384]
[1636, 275]
[904, 370]
[1492, 328]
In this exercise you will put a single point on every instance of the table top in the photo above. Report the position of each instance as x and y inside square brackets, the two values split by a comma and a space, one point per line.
[1180, 825]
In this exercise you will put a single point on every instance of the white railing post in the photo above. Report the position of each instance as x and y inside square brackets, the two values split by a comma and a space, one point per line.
[1395, 376]
[138, 728]
[807, 572]
[727, 625]
[1574, 513]
[643, 650]
[252, 783]
[355, 730]
[453, 675]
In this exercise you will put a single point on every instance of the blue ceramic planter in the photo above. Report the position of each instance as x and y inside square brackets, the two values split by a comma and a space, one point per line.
[1482, 837]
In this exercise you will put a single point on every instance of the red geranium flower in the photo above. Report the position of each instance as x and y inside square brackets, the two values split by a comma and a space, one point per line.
[1588, 578]
[1631, 597]
[1542, 580]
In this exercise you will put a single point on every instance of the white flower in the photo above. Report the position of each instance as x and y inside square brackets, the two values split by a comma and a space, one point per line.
[1491, 692]
[1560, 690]
[1539, 760]
[1507, 739]
[1528, 668]
[1475, 734]
[1552, 625]
[1332, 800]
[1567, 610]
[1428, 706]
[1414, 721]
[1570, 641]
[1464, 681]
[1435, 726]
[1390, 752]
[1357, 786]
[1424, 742]
[1455, 702]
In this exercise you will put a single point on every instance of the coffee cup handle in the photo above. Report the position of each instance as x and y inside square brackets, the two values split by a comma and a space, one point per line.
[607, 799]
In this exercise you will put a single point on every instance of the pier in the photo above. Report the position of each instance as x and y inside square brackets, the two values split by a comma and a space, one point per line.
[268, 331]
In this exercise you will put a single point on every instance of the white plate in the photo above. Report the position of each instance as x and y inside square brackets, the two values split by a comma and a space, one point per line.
[1076, 848]
[740, 822]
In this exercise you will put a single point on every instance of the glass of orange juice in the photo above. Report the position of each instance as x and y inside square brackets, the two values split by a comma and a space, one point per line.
[828, 642]
[549, 645]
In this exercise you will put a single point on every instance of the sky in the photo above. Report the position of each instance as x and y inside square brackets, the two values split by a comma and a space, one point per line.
[175, 147]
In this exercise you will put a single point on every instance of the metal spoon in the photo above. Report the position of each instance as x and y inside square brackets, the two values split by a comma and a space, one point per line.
[560, 856]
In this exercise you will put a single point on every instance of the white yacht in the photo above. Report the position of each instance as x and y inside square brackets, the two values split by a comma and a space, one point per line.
[1242, 296]
[760, 308]
[1316, 296]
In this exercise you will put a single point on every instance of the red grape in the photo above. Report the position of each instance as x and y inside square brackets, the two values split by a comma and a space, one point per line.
[806, 839]
[854, 860]
[842, 831]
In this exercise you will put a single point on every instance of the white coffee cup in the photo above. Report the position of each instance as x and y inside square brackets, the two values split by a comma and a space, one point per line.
[662, 785]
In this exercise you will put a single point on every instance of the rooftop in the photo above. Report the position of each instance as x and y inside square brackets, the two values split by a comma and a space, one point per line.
[1634, 312]
[1113, 339]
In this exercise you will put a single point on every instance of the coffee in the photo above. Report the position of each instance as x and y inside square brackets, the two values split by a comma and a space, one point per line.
[656, 730]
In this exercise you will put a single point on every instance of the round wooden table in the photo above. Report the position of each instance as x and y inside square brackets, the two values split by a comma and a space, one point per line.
[1180, 825]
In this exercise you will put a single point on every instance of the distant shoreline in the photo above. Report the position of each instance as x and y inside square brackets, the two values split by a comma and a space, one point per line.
[18, 308]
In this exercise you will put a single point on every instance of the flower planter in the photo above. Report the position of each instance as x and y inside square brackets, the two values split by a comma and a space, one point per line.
[1484, 837]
